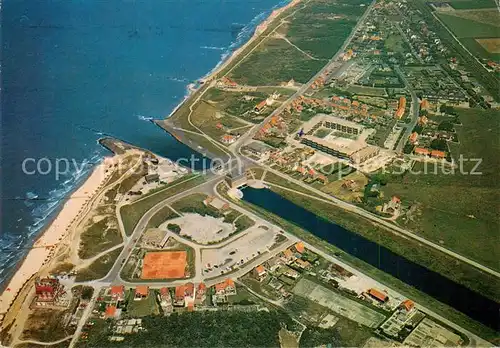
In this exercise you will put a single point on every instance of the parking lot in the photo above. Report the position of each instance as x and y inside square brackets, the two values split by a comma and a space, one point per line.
[258, 240]
[202, 229]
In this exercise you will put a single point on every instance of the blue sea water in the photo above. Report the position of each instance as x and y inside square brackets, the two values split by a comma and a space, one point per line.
[73, 71]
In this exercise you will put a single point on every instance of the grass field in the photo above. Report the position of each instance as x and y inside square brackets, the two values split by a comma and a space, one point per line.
[317, 31]
[311, 36]
[98, 237]
[395, 43]
[363, 90]
[468, 30]
[472, 4]
[486, 16]
[99, 268]
[461, 211]
[463, 27]
[426, 256]
[161, 216]
[132, 213]
[144, 307]
[206, 116]
[274, 63]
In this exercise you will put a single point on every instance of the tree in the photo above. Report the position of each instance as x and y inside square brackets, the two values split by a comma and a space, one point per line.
[439, 144]
[174, 228]
[87, 292]
[446, 126]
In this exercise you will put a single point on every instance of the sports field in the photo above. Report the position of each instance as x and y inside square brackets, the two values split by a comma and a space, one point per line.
[164, 265]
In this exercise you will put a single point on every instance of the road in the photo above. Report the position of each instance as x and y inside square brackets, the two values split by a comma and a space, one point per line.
[415, 109]
[474, 339]
[85, 316]
[375, 218]
[251, 133]
[39, 343]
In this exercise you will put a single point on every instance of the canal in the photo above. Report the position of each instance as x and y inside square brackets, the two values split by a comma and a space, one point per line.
[439, 287]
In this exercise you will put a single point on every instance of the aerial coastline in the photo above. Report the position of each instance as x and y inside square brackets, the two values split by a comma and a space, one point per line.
[332, 230]
[56, 230]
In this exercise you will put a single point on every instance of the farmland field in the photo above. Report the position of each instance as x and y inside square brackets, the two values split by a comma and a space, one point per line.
[468, 31]
[463, 27]
[487, 16]
[458, 210]
[472, 4]
[490, 45]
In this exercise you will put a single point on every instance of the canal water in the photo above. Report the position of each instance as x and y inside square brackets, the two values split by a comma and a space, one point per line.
[441, 288]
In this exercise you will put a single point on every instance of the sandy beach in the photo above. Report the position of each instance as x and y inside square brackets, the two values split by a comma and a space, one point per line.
[44, 248]
[258, 31]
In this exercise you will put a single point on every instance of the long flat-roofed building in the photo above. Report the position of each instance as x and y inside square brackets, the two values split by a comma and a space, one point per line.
[332, 122]
[354, 150]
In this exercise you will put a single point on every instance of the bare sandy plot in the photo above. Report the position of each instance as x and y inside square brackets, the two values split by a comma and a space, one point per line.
[164, 265]
[243, 249]
[490, 45]
[338, 303]
[202, 229]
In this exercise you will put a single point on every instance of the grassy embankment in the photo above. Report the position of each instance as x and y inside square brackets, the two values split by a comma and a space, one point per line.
[132, 213]
[409, 291]
[99, 268]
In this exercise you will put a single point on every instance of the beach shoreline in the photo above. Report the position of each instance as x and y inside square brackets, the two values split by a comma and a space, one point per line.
[47, 243]
[223, 64]
[45, 246]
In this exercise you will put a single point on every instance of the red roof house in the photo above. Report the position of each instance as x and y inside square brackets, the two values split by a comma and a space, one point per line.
[118, 292]
[378, 295]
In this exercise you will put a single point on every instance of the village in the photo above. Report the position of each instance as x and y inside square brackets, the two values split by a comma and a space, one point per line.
[294, 275]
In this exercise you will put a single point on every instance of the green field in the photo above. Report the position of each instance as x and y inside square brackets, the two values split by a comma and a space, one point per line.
[472, 4]
[98, 237]
[144, 307]
[99, 268]
[460, 211]
[365, 90]
[463, 27]
[395, 43]
[274, 63]
[467, 30]
[132, 213]
[320, 34]
[312, 35]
